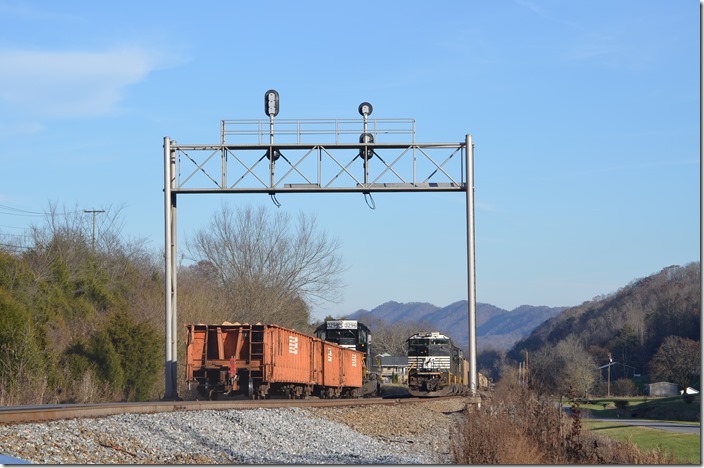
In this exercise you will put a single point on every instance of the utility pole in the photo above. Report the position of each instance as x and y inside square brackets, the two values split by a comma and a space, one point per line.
[93, 212]
[608, 381]
[527, 375]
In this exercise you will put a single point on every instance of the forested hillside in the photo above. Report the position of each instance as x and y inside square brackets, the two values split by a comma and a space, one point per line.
[634, 327]
[82, 311]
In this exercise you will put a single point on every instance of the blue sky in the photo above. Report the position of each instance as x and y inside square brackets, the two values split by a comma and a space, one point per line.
[585, 118]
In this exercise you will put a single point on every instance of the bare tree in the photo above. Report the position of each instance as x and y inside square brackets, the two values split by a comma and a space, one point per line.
[271, 268]
[69, 235]
[543, 370]
[390, 338]
[200, 298]
[565, 365]
[678, 360]
[578, 367]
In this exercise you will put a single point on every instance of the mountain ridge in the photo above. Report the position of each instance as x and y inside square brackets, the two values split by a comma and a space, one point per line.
[496, 328]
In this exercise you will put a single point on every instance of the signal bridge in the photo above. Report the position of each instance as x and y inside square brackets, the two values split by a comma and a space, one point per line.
[315, 155]
[342, 155]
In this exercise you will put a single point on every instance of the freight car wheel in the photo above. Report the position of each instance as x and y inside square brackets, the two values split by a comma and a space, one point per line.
[250, 389]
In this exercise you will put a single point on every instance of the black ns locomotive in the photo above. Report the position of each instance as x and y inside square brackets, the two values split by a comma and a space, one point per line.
[355, 335]
[436, 367]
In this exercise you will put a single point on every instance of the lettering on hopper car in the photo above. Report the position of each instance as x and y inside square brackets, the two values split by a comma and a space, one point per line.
[329, 354]
[293, 345]
[354, 360]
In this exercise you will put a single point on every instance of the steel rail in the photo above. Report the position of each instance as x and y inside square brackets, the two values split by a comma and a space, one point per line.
[44, 413]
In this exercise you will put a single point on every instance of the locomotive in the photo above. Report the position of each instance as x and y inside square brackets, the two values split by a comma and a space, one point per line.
[353, 335]
[436, 367]
[258, 360]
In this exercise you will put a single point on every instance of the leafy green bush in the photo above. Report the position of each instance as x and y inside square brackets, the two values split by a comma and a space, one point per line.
[621, 404]
[123, 353]
[20, 344]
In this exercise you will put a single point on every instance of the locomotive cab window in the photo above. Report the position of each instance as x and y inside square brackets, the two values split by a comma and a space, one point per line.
[418, 347]
[362, 336]
[440, 345]
[342, 337]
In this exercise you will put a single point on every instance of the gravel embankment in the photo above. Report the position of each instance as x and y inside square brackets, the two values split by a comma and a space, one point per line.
[416, 433]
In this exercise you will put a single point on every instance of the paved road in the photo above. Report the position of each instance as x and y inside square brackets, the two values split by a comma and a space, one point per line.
[663, 425]
[8, 460]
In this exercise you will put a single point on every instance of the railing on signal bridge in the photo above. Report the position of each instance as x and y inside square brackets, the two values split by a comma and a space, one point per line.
[319, 131]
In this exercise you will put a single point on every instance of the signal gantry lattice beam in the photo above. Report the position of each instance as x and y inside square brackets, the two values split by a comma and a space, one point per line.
[340, 164]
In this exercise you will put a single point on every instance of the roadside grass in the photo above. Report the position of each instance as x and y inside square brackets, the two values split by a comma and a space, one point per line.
[660, 408]
[686, 448]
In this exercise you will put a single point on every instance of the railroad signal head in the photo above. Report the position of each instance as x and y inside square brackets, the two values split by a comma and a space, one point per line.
[271, 103]
[276, 154]
[366, 153]
[365, 109]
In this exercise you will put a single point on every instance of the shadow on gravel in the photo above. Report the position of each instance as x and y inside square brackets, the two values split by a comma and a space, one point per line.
[394, 391]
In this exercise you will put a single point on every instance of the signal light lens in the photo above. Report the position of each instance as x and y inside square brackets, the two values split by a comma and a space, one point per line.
[271, 103]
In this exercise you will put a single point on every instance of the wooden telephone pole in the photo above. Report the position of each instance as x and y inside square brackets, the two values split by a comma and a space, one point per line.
[94, 212]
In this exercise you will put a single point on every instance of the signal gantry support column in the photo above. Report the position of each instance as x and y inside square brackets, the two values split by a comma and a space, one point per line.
[471, 277]
[171, 331]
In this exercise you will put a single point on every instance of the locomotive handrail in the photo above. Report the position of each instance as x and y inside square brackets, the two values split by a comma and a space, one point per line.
[408, 374]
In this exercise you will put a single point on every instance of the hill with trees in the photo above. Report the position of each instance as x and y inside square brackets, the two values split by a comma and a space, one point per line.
[651, 328]
[647, 331]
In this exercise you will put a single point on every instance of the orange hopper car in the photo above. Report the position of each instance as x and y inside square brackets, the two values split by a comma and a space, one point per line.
[262, 360]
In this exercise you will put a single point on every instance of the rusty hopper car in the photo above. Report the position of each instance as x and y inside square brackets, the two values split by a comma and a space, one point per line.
[262, 360]
[436, 367]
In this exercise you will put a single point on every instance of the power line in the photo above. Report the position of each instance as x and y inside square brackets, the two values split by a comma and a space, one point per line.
[12, 227]
[17, 247]
[9, 210]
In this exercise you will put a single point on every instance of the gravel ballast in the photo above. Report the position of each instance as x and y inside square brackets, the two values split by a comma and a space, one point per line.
[399, 434]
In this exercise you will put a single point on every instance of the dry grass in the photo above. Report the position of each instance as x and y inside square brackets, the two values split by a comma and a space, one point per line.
[518, 427]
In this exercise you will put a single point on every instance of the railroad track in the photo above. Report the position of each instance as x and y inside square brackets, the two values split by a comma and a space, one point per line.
[28, 414]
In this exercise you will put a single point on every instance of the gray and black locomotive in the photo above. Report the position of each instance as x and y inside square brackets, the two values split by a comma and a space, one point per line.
[352, 334]
[436, 367]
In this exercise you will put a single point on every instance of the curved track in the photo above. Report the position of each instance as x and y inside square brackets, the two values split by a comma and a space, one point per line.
[27, 414]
